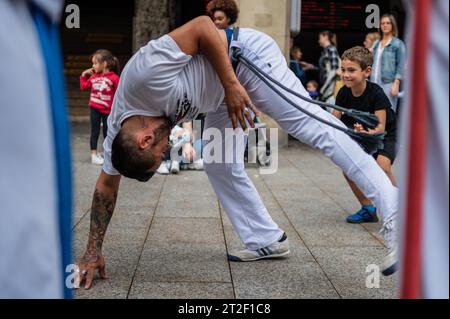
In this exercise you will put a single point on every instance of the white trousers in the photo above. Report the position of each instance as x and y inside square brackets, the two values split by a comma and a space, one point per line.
[234, 189]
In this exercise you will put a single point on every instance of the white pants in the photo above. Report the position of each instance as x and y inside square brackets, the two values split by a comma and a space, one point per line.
[234, 189]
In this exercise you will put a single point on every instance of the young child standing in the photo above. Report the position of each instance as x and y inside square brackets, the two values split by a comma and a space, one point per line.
[360, 94]
[102, 79]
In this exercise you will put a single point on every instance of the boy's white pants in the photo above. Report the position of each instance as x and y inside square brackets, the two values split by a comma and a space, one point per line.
[234, 189]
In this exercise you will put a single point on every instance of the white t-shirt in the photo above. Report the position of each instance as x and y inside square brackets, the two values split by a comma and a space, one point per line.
[161, 80]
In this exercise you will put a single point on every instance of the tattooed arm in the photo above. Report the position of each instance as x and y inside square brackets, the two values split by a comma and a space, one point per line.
[103, 204]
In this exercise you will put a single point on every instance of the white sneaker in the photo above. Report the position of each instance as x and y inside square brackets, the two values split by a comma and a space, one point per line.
[97, 160]
[390, 262]
[197, 165]
[163, 170]
[175, 167]
[275, 250]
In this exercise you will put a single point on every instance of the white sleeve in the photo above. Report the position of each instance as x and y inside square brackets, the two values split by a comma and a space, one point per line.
[164, 61]
[108, 168]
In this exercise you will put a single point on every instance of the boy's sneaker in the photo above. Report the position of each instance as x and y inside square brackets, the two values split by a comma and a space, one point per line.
[390, 262]
[367, 214]
[175, 167]
[97, 160]
[275, 250]
[163, 170]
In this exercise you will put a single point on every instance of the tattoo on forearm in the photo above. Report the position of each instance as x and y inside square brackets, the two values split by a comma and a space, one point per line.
[101, 213]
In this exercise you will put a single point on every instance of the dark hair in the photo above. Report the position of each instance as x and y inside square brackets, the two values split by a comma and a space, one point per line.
[228, 6]
[393, 22]
[132, 162]
[331, 36]
[360, 55]
[129, 160]
[295, 48]
[112, 62]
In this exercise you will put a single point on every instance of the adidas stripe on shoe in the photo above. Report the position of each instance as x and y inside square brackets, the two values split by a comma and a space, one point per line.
[275, 250]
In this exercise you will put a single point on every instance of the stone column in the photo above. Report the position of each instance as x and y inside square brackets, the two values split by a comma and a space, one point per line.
[153, 18]
[273, 18]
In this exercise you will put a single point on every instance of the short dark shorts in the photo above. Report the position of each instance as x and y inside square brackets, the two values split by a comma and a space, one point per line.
[390, 148]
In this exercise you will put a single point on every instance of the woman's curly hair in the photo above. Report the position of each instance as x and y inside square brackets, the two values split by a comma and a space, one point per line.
[228, 6]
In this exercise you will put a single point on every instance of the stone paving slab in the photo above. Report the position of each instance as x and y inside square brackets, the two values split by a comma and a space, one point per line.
[347, 266]
[181, 290]
[198, 263]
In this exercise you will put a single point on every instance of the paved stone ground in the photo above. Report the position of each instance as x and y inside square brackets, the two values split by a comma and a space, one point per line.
[168, 238]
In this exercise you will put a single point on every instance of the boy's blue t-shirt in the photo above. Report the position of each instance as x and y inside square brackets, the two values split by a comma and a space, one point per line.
[373, 99]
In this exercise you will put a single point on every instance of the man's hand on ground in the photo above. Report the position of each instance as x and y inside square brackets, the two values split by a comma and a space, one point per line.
[88, 265]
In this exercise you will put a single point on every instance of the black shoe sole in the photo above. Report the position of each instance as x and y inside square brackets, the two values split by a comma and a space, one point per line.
[364, 222]
[390, 270]
[276, 256]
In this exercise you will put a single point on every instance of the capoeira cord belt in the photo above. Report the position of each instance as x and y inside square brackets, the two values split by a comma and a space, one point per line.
[369, 142]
